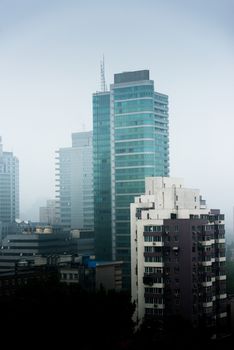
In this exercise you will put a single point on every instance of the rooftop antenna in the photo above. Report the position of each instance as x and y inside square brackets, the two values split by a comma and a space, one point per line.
[103, 80]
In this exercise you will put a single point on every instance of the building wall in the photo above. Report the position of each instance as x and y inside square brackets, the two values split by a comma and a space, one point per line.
[75, 183]
[27, 243]
[94, 275]
[178, 254]
[9, 186]
[47, 214]
[109, 276]
[136, 139]
[102, 175]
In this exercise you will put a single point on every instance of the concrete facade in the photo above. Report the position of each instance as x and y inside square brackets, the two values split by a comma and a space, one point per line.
[47, 214]
[94, 275]
[75, 183]
[178, 254]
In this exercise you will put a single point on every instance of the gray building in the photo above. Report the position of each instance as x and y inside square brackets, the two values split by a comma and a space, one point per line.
[93, 275]
[25, 243]
[75, 183]
[9, 186]
[47, 214]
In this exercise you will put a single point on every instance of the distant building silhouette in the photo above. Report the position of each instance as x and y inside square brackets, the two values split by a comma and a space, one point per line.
[75, 183]
[47, 214]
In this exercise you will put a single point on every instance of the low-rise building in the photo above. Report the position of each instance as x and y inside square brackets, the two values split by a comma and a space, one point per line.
[25, 242]
[93, 275]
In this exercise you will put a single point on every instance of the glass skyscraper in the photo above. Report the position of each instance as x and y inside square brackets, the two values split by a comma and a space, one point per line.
[9, 187]
[131, 142]
[102, 175]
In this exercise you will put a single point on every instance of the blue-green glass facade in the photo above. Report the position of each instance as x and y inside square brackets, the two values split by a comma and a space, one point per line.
[138, 147]
[102, 176]
[140, 123]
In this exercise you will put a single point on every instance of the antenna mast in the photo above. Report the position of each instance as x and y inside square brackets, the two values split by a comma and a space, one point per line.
[103, 80]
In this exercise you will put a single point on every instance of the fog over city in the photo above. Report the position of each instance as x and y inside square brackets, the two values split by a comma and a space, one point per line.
[50, 67]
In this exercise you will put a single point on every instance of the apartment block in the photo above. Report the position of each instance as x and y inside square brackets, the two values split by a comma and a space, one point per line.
[178, 255]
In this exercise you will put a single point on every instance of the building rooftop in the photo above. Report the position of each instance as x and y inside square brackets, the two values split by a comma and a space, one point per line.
[127, 77]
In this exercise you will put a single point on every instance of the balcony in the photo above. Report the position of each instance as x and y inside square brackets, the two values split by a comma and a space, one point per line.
[221, 296]
[207, 284]
[221, 277]
[155, 306]
[148, 280]
[222, 315]
[207, 263]
[154, 244]
[220, 240]
[207, 304]
[221, 258]
[153, 280]
[207, 242]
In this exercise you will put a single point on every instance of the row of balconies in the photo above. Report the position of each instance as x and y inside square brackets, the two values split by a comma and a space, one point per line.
[155, 305]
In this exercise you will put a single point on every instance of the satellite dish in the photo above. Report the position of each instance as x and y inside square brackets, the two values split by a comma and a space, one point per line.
[26, 222]
[18, 221]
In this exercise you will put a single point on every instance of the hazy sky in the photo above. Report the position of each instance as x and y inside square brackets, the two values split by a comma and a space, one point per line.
[50, 54]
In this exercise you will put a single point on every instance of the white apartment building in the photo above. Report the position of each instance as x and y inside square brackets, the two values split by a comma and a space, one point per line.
[177, 254]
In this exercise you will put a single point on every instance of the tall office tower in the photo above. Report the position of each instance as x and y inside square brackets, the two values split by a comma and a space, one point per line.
[102, 175]
[75, 183]
[130, 126]
[178, 255]
[9, 186]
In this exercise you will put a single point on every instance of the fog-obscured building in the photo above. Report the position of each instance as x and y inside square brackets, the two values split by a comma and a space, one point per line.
[9, 186]
[74, 186]
[47, 214]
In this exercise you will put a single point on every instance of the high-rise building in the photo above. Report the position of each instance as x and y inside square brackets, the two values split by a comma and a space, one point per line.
[102, 175]
[130, 128]
[178, 255]
[75, 183]
[9, 186]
